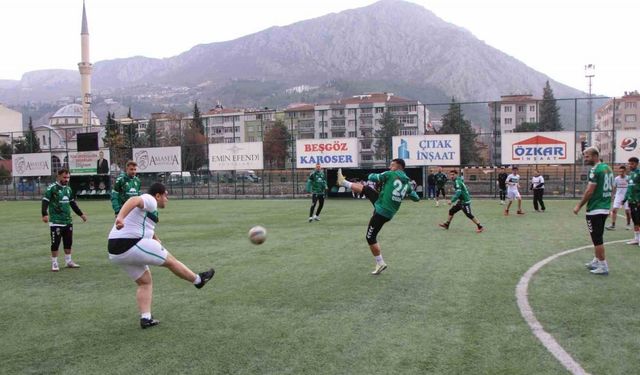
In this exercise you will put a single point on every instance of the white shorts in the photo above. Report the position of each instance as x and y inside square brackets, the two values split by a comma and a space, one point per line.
[617, 203]
[138, 259]
[513, 194]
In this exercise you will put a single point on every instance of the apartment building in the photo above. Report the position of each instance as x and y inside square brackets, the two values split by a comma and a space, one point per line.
[509, 112]
[616, 114]
[224, 125]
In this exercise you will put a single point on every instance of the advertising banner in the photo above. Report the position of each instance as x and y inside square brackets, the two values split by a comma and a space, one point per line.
[417, 150]
[538, 148]
[31, 164]
[89, 162]
[158, 159]
[626, 145]
[235, 156]
[330, 153]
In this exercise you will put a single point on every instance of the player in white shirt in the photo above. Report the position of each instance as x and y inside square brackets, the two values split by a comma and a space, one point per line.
[513, 183]
[134, 246]
[537, 185]
[620, 184]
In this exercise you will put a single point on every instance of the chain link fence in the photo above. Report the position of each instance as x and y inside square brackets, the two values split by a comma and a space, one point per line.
[281, 179]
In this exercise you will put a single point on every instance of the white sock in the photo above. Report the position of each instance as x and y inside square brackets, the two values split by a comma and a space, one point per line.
[54, 259]
[604, 264]
[67, 258]
[146, 315]
[637, 236]
[347, 184]
[379, 259]
[198, 280]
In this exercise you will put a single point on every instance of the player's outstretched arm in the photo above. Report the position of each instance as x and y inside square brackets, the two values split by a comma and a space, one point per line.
[129, 205]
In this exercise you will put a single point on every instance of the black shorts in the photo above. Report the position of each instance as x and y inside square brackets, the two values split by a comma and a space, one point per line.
[595, 225]
[440, 191]
[315, 197]
[465, 207]
[371, 194]
[635, 213]
[375, 224]
[64, 234]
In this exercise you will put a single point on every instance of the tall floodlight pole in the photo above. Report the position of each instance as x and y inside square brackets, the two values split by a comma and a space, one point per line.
[590, 72]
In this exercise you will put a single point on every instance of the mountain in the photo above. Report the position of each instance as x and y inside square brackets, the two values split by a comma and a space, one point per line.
[391, 45]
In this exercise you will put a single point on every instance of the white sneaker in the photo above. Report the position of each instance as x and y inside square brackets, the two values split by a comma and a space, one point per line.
[310, 219]
[628, 227]
[632, 242]
[600, 270]
[592, 265]
[72, 264]
[54, 267]
[610, 227]
[316, 218]
[437, 203]
[379, 268]
[502, 203]
[341, 178]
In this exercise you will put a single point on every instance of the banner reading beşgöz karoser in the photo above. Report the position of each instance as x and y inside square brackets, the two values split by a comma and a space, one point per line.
[417, 150]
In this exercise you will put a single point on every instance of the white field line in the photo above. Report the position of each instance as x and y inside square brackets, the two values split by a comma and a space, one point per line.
[536, 327]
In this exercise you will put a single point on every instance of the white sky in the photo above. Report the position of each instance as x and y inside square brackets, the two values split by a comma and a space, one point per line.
[556, 37]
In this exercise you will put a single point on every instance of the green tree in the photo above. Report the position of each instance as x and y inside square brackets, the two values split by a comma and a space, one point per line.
[453, 122]
[30, 143]
[194, 149]
[5, 150]
[389, 128]
[129, 113]
[527, 127]
[277, 140]
[197, 119]
[549, 111]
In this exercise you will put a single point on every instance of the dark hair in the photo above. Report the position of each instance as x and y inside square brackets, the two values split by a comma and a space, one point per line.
[622, 167]
[157, 188]
[62, 171]
[453, 171]
[633, 159]
[131, 162]
[514, 167]
[400, 162]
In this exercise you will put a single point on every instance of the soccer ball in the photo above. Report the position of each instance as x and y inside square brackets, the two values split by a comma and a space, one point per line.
[257, 235]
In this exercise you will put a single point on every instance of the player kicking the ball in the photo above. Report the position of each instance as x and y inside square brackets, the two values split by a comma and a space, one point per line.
[462, 201]
[134, 246]
[395, 186]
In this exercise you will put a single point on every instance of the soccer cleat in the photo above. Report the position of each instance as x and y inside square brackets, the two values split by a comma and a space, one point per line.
[310, 219]
[72, 264]
[600, 270]
[506, 212]
[54, 267]
[340, 181]
[520, 212]
[379, 268]
[146, 323]
[316, 218]
[444, 225]
[632, 242]
[480, 230]
[592, 265]
[205, 277]
[610, 227]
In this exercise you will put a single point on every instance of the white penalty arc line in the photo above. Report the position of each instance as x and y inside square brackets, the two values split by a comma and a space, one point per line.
[522, 294]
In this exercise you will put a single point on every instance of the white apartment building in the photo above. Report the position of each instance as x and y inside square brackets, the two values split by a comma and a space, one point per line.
[509, 112]
[10, 122]
[616, 114]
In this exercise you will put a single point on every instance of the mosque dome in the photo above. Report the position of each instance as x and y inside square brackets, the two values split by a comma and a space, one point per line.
[71, 115]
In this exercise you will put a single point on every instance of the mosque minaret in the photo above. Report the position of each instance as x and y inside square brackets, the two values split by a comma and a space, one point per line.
[85, 68]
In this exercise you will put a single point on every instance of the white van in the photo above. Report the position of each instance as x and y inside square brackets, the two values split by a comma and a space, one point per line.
[180, 178]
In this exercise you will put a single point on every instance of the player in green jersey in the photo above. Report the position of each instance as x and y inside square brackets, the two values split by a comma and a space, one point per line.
[127, 185]
[441, 181]
[57, 203]
[317, 186]
[386, 203]
[597, 197]
[632, 197]
[462, 201]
